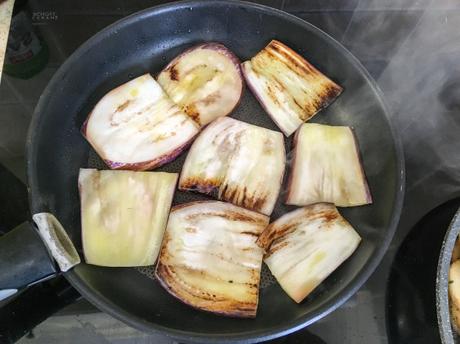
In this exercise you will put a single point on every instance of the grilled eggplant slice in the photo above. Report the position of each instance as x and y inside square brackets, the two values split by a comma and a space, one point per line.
[124, 215]
[327, 168]
[236, 162]
[456, 251]
[454, 283]
[210, 259]
[205, 81]
[455, 317]
[289, 88]
[137, 127]
[454, 294]
[306, 245]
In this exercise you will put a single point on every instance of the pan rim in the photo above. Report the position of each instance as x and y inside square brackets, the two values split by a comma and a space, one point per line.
[442, 293]
[248, 336]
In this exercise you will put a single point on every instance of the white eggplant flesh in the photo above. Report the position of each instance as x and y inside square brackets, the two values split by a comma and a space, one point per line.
[137, 127]
[236, 162]
[124, 215]
[287, 86]
[454, 283]
[210, 259]
[327, 168]
[455, 317]
[305, 246]
[456, 251]
[454, 294]
[205, 81]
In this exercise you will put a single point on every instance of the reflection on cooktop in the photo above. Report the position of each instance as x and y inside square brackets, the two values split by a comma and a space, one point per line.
[411, 293]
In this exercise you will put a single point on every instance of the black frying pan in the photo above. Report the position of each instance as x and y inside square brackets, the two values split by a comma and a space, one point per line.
[146, 41]
[448, 335]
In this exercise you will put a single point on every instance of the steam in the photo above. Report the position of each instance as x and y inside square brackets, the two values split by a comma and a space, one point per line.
[422, 85]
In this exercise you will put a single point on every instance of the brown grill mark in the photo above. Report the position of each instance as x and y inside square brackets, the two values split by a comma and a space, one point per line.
[119, 109]
[230, 215]
[123, 106]
[275, 248]
[223, 189]
[207, 186]
[245, 196]
[192, 112]
[231, 195]
[248, 201]
[330, 216]
[274, 233]
[308, 112]
[272, 95]
[297, 103]
[250, 233]
[279, 83]
[173, 73]
[258, 203]
[326, 215]
[233, 216]
[164, 244]
[301, 66]
[329, 94]
[301, 70]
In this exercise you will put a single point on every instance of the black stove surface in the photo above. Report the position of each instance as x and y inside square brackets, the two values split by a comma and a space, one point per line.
[411, 48]
[411, 303]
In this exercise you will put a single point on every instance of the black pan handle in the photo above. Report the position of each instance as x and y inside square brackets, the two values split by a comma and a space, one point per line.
[30, 283]
[24, 260]
[32, 306]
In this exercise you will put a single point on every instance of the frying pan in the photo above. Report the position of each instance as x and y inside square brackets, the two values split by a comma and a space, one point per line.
[146, 41]
[448, 336]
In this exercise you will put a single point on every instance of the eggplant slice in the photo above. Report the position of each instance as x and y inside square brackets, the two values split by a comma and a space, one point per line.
[210, 259]
[205, 81]
[289, 88]
[236, 162]
[137, 127]
[124, 215]
[305, 246]
[454, 294]
[327, 168]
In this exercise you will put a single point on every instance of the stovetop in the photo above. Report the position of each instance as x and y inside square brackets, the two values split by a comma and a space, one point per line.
[411, 48]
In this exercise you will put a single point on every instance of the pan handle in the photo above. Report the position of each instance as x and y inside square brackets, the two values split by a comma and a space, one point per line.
[34, 305]
[24, 260]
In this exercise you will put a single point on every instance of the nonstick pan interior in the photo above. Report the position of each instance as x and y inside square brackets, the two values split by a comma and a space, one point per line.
[145, 42]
